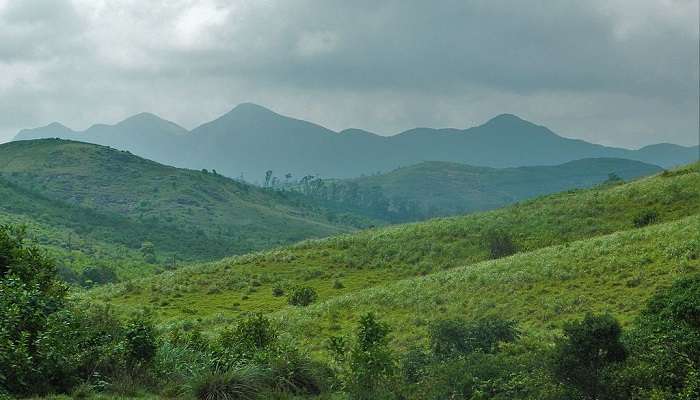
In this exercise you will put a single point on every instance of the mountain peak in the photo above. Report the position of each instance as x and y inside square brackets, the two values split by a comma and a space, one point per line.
[506, 119]
[251, 109]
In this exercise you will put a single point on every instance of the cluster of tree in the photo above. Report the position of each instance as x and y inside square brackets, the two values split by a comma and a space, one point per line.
[338, 196]
[49, 344]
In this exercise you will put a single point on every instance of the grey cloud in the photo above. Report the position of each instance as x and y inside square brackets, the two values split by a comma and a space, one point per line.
[618, 72]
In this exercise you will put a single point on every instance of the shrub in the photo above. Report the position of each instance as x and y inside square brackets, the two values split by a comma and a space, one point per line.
[302, 296]
[249, 334]
[450, 338]
[645, 218]
[30, 293]
[337, 284]
[499, 244]
[240, 383]
[367, 366]
[277, 290]
[589, 347]
[97, 276]
[140, 340]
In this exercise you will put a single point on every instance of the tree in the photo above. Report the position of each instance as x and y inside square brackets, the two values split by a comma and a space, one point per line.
[589, 347]
[500, 244]
[268, 176]
[451, 338]
[30, 293]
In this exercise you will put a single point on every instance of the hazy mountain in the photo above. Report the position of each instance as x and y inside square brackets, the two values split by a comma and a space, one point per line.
[438, 188]
[196, 214]
[251, 139]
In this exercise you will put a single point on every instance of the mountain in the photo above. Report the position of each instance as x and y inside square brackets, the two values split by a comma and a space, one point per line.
[250, 139]
[195, 215]
[144, 134]
[437, 188]
[354, 266]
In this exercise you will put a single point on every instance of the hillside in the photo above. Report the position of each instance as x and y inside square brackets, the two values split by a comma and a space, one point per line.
[250, 140]
[196, 215]
[540, 289]
[77, 238]
[436, 188]
[219, 292]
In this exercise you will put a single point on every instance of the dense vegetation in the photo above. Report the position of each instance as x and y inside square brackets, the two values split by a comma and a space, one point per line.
[52, 344]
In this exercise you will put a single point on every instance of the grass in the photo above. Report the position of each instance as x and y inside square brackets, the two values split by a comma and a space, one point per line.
[217, 293]
[540, 290]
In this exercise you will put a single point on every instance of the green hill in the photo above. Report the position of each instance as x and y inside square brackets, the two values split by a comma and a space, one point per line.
[540, 289]
[436, 188]
[195, 215]
[220, 292]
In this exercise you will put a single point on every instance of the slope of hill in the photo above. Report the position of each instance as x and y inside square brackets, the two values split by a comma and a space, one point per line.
[77, 238]
[540, 289]
[194, 214]
[219, 292]
[436, 188]
[251, 139]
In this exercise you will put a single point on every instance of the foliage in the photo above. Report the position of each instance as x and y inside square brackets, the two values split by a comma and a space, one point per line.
[255, 332]
[30, 294]
[590, 346]
[645, 218]
[499, 244]
[302, 296]
[451, 338]
[235, 384]
[140, 340]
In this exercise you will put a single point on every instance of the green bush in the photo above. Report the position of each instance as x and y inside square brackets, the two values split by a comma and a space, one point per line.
[589, 348]
[454, 337]
[30, 293]
[302, 296]
[645, 218]
[249, 335]
[140, 340]
[499, 244]
[242, 383]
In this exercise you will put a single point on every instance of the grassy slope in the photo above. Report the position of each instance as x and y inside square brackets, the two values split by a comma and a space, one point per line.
[195, 214]
[539, 289]
[445, 188]
[75, 237]
[219, 292]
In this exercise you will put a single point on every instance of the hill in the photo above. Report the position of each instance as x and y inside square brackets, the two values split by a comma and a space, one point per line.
[77, 238]
[218, 293]
[196, 215]
[437, 188]
[250, 140]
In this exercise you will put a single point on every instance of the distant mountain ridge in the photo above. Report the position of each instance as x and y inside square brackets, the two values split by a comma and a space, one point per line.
[251, 139]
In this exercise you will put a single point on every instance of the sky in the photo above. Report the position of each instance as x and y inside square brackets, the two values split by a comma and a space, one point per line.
[616, 72]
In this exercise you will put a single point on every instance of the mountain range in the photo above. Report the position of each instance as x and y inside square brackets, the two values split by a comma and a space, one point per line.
[250, 140]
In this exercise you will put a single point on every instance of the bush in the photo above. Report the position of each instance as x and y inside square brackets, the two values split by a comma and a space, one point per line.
[140, 340]
[240, 383]
[30, 293]
[367, 367]
[499, 244]
[451, 338]
[645, 218]
[337, 284]
[277, 291]
[590, 346]
[97, 276]
[250, 334]
[302, 296]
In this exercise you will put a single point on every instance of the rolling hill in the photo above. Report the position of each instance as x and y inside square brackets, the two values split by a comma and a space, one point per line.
[436, 188]
[216, 294]
[127, 200]
[250, 139]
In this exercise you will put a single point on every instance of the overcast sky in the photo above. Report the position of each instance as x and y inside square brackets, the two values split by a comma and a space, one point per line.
[617, 72]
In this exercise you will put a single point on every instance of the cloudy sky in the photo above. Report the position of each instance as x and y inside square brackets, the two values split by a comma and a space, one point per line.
[617, 72]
